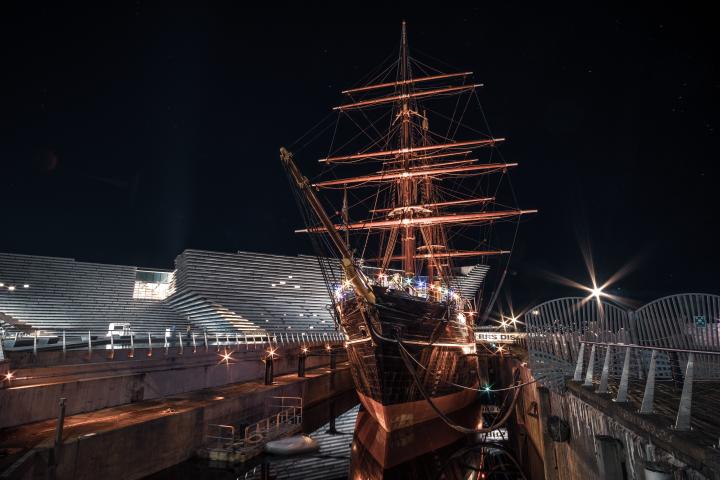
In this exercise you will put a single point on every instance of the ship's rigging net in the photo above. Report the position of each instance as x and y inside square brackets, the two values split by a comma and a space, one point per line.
[413, 180]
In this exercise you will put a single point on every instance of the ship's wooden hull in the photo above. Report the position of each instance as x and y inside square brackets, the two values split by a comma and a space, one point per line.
[436, 338]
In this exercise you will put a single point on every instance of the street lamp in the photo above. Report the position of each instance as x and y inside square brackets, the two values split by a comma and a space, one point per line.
[597, 292]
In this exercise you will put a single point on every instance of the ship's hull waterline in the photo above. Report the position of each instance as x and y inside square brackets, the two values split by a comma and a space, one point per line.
[432, 333]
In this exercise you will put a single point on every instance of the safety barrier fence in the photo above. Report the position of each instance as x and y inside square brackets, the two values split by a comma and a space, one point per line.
[192, 341]
[679, 323]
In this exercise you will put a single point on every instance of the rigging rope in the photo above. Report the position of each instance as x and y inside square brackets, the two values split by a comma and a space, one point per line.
[448, 421]
[481, 390]
[294, 146]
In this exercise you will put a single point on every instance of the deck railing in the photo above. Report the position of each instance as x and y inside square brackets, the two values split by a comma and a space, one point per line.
[285, 412]
[282, 416]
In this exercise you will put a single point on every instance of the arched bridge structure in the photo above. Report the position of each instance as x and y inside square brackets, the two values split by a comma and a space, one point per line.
[688, 321]
[556, 327]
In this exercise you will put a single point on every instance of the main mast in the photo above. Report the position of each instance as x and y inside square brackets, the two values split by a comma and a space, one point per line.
[407, 191]
[415, 209]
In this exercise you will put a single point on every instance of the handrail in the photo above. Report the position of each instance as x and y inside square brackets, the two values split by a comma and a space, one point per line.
[179, 339]
[650, 347]
[683, 417]
[220, 438]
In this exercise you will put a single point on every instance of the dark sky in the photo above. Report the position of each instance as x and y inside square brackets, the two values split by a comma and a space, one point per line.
[130, 133]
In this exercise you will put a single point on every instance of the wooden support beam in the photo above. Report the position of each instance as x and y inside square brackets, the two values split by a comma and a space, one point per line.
[406, 82]
[411, 150]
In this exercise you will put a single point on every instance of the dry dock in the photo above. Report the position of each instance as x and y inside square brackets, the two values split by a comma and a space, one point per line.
[130, 417]
[134, 440]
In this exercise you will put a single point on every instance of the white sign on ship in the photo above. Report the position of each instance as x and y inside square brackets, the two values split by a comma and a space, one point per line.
[498, 337]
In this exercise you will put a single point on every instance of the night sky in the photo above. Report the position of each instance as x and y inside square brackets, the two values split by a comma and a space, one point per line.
[128, 134]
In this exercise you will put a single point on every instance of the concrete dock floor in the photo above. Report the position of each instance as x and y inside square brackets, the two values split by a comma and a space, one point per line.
[18, 444]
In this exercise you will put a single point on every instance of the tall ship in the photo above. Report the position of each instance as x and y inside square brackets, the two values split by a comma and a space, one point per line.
[428, 199]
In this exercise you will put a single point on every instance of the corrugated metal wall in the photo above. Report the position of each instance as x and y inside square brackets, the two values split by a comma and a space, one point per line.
[63, 294]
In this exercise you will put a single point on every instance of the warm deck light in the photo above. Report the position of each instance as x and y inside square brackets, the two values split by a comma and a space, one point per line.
[9, 376]
[226, 357]
[461, 317]
[536, 312]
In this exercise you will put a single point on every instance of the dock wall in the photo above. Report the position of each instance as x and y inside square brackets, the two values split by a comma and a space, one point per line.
[96, 382]
[139, 448]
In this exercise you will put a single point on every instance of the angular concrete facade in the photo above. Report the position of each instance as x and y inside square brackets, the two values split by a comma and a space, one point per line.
[65, 294]
[239, 292]
[216, 291]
